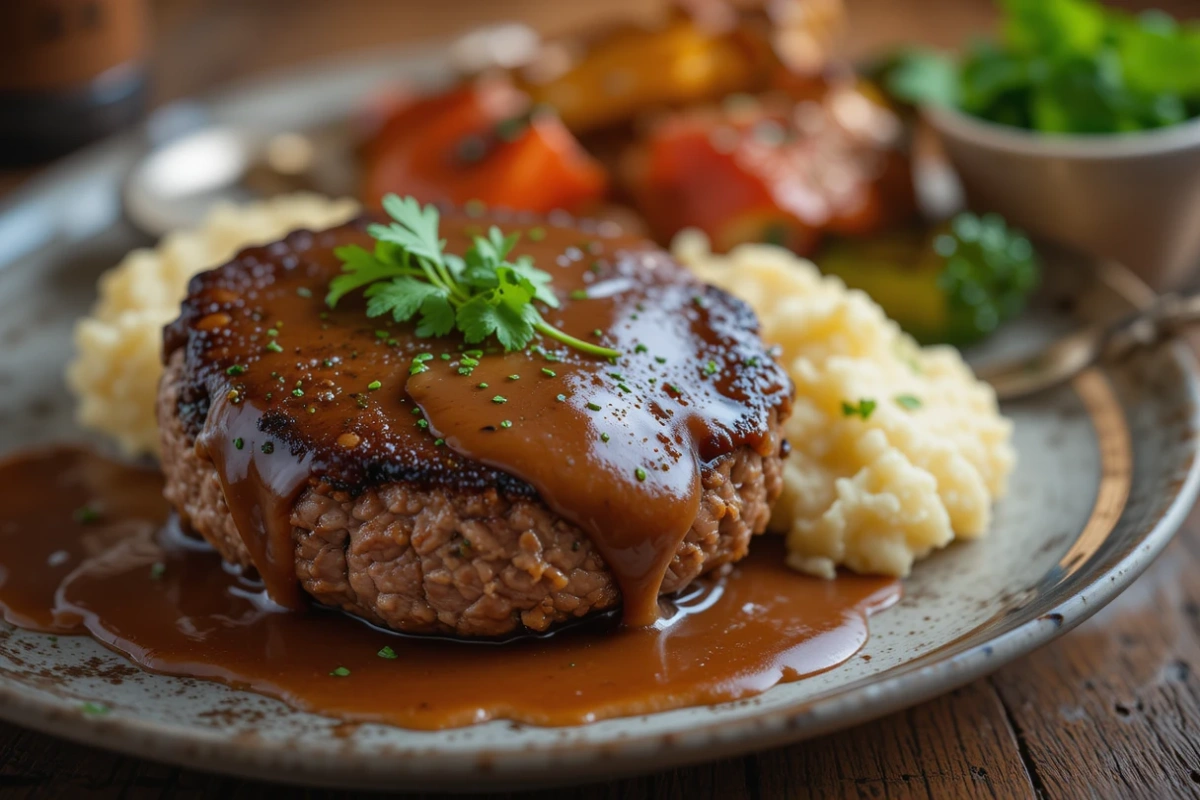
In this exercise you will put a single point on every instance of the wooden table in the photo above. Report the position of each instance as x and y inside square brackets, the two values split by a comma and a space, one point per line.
[1109, 710]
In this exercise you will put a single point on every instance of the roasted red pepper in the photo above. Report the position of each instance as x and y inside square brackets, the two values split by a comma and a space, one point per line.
[482, 142]
[782, 172]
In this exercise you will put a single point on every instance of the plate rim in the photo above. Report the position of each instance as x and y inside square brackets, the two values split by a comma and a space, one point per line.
[543, 765]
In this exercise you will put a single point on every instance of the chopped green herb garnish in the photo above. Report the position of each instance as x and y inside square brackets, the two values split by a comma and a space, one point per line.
[499, 399]
[505, 423]
[710, 368]
[593, 406]
[661, 359]
[624, 388]
[579, 294]
[422, 424]
[417, 369]
[272, 332]
[86, 515]
[386, 652]
[907, 401]
[274, 347]
[467, 361]
[597, 333]
[604, 437]
[674, 388]
[236, 369]
[562, 398]
[304, 291]
[157, 570]
[298, 392]
[640, 474]
[340, 672]
[641, 348]
[863, 408]
[239, 443]
[514, 377]
[94, 709]
[537, 234]
[423, 357]
[373, 385]
[482, 293]
[549, 373]
[752, 362]
[472, 149]
[438, 442]
[268, 447]
[483, 386]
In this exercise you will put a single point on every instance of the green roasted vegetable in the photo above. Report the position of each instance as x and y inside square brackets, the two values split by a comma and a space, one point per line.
[1064, 66]
[953, 285]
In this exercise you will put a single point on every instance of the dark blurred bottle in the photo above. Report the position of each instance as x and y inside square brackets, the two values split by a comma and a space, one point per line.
[71, 72]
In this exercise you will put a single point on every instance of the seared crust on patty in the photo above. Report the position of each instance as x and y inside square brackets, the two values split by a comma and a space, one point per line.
[464, 560]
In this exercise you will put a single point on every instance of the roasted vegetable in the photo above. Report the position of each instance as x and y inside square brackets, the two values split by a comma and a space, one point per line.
[613, 78]
[954, 285]
[760, 171]
[1066, 66]
[482, 142]
[703, 51]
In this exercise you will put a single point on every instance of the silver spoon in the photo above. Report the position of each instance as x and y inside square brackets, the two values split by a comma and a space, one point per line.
[176, 184]
[196, 162]
[1070, 355]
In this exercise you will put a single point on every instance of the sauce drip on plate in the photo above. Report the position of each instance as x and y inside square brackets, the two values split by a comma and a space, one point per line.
[99, 560]
[283, 391]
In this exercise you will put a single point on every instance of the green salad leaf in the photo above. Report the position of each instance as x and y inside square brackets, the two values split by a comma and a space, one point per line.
[1064, 66]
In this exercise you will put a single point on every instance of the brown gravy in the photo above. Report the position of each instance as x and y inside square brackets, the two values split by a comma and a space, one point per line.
[86, 545]
[285, 390]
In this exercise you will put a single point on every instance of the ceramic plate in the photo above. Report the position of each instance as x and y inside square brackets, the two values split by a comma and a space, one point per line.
[1107, 471]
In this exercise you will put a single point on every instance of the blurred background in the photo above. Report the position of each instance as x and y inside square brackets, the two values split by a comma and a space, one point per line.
[1073, 121]
[188, 46]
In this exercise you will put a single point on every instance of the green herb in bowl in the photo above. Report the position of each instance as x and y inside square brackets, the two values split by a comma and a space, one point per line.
[1065, 67]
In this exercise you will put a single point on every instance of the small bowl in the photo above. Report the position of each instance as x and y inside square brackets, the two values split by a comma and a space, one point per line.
[1130, 197]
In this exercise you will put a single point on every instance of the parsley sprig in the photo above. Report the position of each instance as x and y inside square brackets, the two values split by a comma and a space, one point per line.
[481, 293]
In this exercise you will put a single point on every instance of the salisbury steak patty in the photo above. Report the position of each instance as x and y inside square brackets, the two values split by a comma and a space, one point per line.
[400, 503]
[467, 561]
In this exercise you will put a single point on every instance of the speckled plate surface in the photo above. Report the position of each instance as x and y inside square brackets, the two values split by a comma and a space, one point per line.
[1107, 471]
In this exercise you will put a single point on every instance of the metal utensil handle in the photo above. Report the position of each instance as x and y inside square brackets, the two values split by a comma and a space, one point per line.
[1167, 317]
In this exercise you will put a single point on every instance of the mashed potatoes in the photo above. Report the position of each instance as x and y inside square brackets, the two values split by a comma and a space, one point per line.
[895, 449]
[117, 364]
